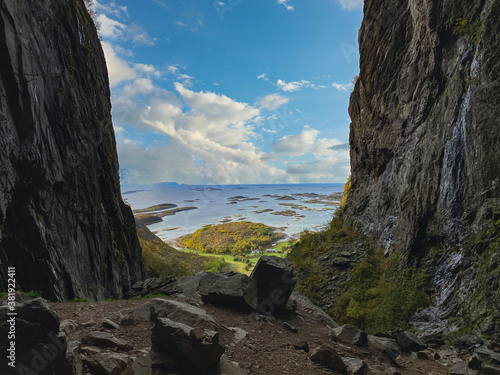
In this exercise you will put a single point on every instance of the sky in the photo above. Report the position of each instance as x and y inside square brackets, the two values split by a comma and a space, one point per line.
[231, 91]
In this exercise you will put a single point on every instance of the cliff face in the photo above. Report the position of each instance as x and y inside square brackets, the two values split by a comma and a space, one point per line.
[63, 224]
[425, 145]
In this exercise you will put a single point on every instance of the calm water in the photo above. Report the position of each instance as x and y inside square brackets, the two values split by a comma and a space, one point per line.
[214, 207]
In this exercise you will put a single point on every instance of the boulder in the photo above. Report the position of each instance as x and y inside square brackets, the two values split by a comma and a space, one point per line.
[68, 326]
[302, 345]
[388, 347]
[350, 334]
[177, 347]
[39, 348]
[73, 363]
[290, 328]
[108, 324]
[227, 367]
[468, 341]
[231, 290]
[275, 283]
[459, 368]
[167, 286]
[488, 355]
[490, 370]
[140, 365]
[409, 342]
[327, 356]
[106, 363]
[356, 366]
[105, 340]
[310, 307]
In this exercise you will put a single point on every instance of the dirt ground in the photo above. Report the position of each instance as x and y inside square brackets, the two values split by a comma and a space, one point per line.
[268, 349]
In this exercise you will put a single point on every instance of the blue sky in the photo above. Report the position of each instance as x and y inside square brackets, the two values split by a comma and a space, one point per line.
[231, 91]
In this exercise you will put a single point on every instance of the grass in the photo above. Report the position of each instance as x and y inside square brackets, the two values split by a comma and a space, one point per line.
[240, 266]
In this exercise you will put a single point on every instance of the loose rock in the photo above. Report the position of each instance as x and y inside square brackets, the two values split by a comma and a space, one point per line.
[327, 356]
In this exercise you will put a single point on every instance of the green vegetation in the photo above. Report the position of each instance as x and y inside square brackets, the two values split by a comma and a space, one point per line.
[367, 290]
[162, 260]
[34, 294]
[306, 255]
[231, 238]
[380, 297]
[467, 27]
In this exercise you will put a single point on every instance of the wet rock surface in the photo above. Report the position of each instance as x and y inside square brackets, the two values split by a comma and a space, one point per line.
[424, 149]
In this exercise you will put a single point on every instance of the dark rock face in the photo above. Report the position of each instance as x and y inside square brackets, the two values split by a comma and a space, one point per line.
[179, 348]
[425, 144]
[38, 347]
[232, 290]
[63, 224]
[275, 282]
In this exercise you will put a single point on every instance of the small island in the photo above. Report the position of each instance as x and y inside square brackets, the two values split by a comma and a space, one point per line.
[232, 238]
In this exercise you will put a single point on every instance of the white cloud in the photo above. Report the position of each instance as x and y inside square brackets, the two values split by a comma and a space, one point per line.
[110, 28]
[342, 86]
[307, 142]
[285, 4]
[172, 69]
[296, 85]
[263, 76]
[273, 101]
[212, 136]
[113, 29]
[350, 4]
[118, 70]
[112, 8]
[330, 159]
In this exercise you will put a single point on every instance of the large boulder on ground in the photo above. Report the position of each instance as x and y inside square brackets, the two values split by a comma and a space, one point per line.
[387, 347]
[73, 364]
[105, 363]
[275, 283]
[409, 342]
[231, 290]
[38, 346]
[167, 285]
[356, 366]
[105, 340]
[179, 348]
[350, 334]
[310, 307]
[327, 356]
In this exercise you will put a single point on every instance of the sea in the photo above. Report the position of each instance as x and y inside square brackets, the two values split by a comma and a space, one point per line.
[216, 204]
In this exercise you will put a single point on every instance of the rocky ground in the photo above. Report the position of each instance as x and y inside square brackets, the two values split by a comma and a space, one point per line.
[222, 324]
[267, 347]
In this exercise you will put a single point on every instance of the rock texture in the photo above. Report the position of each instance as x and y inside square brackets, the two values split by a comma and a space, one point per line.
[63, 224]
[425, 146]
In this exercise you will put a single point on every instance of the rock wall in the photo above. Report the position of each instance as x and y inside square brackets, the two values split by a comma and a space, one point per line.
[63, 224]
[425, 142]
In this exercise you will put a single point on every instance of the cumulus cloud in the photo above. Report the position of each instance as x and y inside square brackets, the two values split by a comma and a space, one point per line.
[350, 4]
[114, 30]
[110, 28]
[118, 69]
[272, 102]
[329, 156]
[212, 136]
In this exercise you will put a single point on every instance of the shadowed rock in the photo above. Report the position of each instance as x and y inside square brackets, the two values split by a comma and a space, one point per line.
[275, 282]
[231, 290]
